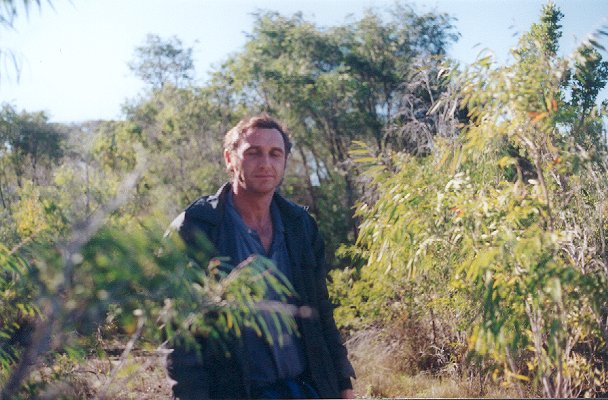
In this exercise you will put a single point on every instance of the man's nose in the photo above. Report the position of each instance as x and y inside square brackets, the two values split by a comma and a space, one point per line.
[265, 159]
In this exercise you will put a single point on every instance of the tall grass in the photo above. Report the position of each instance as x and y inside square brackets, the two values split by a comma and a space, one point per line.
[382, 373]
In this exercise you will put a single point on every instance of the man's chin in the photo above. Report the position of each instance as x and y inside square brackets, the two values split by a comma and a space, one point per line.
[261, 189]
[269, 190]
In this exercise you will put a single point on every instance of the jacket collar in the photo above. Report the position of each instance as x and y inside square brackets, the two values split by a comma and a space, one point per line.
[214, 206]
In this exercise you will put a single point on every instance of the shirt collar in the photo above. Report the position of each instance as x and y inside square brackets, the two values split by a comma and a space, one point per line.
[275, 214]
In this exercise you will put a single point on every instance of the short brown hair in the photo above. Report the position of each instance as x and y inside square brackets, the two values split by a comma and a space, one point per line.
[233, 137]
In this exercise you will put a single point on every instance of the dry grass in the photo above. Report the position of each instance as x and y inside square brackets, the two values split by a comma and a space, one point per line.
[379, 375]
[379, 366]
[141, 376]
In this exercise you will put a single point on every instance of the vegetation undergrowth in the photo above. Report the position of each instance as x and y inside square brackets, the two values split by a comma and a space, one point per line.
[468, 206]
[491, 250]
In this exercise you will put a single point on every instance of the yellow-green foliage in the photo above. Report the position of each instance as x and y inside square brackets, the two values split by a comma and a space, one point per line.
[36, 213]
[500, 235]
[133, 276]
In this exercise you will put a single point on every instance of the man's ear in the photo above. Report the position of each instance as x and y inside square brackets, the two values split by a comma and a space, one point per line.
[228, 159]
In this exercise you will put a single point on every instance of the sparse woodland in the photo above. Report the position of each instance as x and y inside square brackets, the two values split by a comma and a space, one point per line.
[464, 209]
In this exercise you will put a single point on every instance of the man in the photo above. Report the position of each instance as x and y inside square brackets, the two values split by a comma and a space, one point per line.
[247, 216]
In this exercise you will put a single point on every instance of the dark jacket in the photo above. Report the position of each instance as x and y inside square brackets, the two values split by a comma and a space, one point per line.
[221, 376]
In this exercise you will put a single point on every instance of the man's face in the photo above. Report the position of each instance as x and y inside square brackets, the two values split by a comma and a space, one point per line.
[258, 163]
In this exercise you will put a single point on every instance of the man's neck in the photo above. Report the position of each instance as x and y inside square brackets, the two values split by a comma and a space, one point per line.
[254, 208]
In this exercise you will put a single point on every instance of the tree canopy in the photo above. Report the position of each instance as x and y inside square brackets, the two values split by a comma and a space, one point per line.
[159, 62]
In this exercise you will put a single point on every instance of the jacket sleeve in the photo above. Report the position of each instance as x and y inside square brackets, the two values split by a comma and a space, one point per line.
[331, 334]
[185, 364]
[185, 367]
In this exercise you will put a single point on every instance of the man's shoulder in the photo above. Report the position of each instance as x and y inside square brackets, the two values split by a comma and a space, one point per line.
[206, 207]
[201, 212]
[292, 210]
[203, 205]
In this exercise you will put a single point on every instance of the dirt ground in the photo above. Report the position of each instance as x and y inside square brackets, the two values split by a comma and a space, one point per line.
[142, 375]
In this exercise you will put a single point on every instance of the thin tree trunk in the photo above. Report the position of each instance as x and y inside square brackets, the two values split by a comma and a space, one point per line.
[2, 196]
[350, 199]
[313, 200]
[88, 189]
[39, 345]
[433, 326]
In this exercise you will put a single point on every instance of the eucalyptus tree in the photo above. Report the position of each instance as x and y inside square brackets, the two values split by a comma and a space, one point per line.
[588, 78]
[159, 62]
[493, 248]
[332, 86]
[29, 146]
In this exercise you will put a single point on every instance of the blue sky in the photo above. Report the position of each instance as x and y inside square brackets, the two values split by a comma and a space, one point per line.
[73, 56]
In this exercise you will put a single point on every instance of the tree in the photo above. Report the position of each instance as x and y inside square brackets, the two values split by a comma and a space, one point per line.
[500, 234]
[159, 62]
[332, 86]
[181, 132]
[30, 144]
[589, 76]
